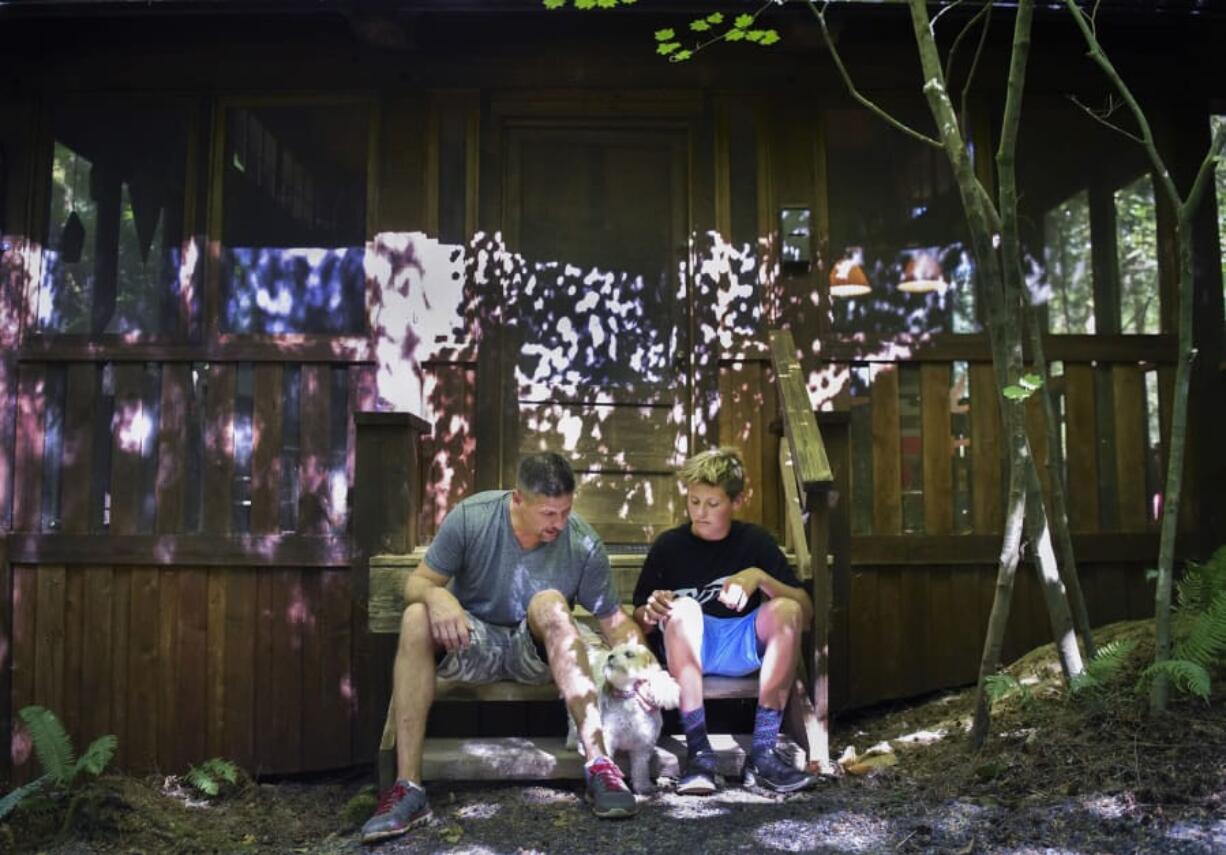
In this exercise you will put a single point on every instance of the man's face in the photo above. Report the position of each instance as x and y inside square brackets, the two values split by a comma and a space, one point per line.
[710, 511]
[543, 517]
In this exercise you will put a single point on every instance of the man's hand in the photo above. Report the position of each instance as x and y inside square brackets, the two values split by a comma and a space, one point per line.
[448, 622]
[740, 587]
[657, 608]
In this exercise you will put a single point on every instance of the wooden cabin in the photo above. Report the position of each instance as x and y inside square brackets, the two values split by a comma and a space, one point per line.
[239, 237]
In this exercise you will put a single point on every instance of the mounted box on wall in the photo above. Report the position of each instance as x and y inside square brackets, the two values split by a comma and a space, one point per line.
[795, 239]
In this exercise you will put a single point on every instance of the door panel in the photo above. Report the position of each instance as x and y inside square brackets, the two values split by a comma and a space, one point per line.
[600, 366]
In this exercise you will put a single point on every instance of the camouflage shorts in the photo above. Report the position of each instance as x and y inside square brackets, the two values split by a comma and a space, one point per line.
[495, 653]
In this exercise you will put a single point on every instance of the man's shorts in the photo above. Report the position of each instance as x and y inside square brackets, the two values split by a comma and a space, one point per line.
[730, 646]
[496, 653]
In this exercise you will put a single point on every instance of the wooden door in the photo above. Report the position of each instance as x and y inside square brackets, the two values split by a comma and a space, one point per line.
[599, 353]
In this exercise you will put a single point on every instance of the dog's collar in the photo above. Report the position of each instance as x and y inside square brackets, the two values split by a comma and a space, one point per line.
[634, 692]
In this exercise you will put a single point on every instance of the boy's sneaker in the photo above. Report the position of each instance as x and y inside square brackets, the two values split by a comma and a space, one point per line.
[699, 778]
[607, 790]
[402, 807]
[766, 769]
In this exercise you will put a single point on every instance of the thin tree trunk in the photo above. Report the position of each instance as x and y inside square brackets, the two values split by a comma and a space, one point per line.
[1006, 572]
[1038, 532]
[1059, 503]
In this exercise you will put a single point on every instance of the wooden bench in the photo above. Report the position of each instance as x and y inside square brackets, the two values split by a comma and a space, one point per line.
[539, 758]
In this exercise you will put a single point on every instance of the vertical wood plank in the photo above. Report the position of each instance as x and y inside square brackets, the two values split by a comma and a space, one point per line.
[449, 451]
[6, 633]
[121, 603]
[127, 426]
[1082, 453]
[740, 413]
[172, 447]
[887, 451]
[143, 643]
[313, 505]
[80, 412]
[326, 686]
[943, 642]
[215, 668]
[218, 448]
[266, 449]
[74, 623]
[167, 666]
[49, 638]
[1036, 432]
[96, 652]
[314, 735]
[914, 644]
[28, 449]
[936, 432]
[192, 711]
[987, 458]
[1130, 440]
[889, 628]
[25, 604]
[241, 667]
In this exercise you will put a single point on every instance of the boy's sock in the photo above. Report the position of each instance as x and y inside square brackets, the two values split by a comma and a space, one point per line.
[765, 730]
[694, 723]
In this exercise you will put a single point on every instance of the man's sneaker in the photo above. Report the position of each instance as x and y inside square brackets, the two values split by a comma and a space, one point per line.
[766, 769]
[699, 778]
[402, 807]
[607, 790]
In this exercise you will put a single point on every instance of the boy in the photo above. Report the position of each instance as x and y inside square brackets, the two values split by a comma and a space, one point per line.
[720, 595]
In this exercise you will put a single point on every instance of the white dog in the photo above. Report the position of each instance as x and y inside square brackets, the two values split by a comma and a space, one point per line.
[632, 689]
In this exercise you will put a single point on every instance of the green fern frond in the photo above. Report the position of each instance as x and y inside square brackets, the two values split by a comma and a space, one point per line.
[199, 778]
[222, 768]
[1205, 641]
[51, 743]
[1185, 676]
[1000, 686]
[14, 797]
[99, 753]
[1202, 584]
[1110, 659]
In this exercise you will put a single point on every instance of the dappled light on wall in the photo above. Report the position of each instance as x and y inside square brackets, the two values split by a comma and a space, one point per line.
[922, 274]
[847, 277]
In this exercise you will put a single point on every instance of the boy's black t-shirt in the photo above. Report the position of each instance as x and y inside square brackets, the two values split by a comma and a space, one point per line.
[692, 567]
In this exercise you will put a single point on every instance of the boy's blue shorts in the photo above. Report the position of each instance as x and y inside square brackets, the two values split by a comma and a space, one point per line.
[730, 646]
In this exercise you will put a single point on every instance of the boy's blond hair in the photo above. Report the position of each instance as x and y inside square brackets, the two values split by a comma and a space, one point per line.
[716, 467]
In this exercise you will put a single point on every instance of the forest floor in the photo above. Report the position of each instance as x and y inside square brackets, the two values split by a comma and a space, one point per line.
[1060, 774]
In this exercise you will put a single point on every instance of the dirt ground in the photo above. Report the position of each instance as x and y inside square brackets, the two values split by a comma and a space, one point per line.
[1085, 775]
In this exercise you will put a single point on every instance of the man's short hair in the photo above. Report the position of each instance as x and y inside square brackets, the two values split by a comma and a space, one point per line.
[545, 474]
[716, 467]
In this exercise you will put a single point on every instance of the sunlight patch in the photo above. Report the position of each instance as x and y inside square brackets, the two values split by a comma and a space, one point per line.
[482, 810]
[843, 832]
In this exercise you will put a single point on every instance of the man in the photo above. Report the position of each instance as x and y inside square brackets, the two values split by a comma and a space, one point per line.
[725, 601]
[493, 598]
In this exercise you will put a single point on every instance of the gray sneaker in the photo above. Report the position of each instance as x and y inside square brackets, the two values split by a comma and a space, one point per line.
[699, 778]
[607, 790]
[402, 807]
[766, 769]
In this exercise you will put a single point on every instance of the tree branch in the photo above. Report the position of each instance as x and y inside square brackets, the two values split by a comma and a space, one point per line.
[1098, 117]
[953, 49]
[855, 93]
[970, 75]
[1205, 173]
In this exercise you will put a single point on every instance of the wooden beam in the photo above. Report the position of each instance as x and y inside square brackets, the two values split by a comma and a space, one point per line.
[963, 549]
[857, 347]
[112, 348]
[800, 425]
[197, 550]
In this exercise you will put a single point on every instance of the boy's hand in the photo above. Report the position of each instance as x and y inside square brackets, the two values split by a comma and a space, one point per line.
[739, 588]
[658, 606]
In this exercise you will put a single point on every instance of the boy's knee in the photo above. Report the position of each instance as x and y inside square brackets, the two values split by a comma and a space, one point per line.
[685, 612]
[783, 614]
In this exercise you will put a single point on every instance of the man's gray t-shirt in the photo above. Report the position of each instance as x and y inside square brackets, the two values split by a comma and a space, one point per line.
[494, 578]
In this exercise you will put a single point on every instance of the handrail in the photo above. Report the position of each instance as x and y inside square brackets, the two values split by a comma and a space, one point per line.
[799, 424]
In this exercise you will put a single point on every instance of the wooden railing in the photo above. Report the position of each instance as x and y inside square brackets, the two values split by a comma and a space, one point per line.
[814, 479]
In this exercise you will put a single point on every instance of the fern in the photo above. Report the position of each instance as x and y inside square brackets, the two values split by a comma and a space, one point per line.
[209, 775]
[1002, 685]
[1109, 660]
[99, 753]
[1202, 584]
[1186, 676]
[1205, 641]
[51, 744]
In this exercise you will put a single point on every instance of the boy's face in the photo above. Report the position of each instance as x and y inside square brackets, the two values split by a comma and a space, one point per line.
[710, 511]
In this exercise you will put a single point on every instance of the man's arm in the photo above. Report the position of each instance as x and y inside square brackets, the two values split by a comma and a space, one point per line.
[448, 622]
[740, 587]
[618, 627]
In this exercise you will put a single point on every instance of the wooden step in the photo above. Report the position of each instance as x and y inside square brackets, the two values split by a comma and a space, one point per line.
[447, 690]
[547, 758]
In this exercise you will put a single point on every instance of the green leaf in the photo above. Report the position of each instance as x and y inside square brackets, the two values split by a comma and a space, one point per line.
[667, 48]
[99, 753]
[734, 35]
[1151, 574]
[743, 22]
[770, 38]
[1016, 393]
[1186, 676]
[681, 55]
[585, 4]
[699, 26]
[716, 18]
[1000, 686]
[755, 35]
[14, 798]
[51, 743]
[607, 4]
[1031, 381]
[554, 4]
[665, 35]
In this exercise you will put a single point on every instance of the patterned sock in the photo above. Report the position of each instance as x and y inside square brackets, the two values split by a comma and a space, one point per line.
[765, 730]
[694, 723]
